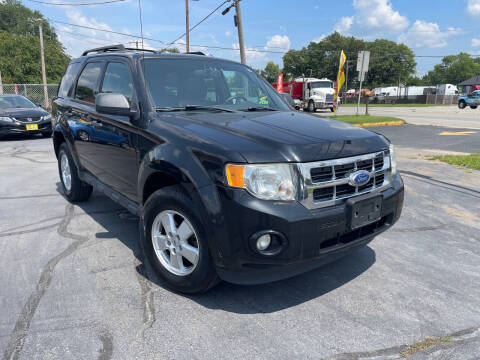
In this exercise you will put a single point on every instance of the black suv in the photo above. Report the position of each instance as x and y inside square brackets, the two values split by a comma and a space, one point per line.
[229, 183]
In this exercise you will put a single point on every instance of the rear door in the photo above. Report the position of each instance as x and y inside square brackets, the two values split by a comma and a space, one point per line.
[83, 107]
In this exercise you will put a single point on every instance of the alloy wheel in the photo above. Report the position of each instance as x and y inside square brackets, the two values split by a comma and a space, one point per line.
[175, 242]
[66, 172]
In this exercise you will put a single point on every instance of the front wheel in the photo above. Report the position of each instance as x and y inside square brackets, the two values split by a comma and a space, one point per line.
[462, 104]
[311, 106]
[174, 241]
[473, 106]
[332, 109]
[74, 189]
[47, 134]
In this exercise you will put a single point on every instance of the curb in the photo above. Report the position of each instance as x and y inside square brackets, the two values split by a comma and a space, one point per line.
[384, 123]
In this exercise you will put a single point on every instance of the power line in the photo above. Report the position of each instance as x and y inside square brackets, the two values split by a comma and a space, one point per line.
[75, 4]
[104, 30]
[201, 21]
[230, 48]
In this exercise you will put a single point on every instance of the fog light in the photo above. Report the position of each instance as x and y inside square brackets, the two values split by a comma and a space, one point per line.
[264, 242]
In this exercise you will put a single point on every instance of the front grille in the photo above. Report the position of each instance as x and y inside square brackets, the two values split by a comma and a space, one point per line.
[28, 119]
[326, 183]
[329, 98]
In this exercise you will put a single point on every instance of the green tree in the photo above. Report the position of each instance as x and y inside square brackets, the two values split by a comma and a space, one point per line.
[321, 59]
[271, 72]
[389, 63]
[388, 60]
[453, 70]
[20, 46]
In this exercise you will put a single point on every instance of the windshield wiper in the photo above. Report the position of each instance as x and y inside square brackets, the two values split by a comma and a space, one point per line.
[259, 108]
[192, 108]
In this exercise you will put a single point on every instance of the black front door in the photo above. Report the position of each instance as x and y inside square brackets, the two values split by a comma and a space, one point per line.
[115, 137]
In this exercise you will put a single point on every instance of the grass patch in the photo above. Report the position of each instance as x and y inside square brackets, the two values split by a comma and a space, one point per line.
[392, 105]
[471, 161]
[424, 345]
[364, 119]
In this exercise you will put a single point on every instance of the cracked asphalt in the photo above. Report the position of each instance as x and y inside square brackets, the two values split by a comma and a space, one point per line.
[73, 284]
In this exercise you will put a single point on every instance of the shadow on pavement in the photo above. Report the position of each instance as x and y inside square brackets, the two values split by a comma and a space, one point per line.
[266, 298]
[21, 137]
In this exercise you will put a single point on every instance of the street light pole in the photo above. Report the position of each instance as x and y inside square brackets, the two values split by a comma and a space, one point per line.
[42, 57]
[187, 26]
[240, 32]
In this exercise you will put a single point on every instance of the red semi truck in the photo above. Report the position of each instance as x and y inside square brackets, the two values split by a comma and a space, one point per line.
[310, 93]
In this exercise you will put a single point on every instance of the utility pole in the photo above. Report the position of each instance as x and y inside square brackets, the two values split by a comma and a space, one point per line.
[187, 26]
[42, 57]
[240, 31]
[1, 84]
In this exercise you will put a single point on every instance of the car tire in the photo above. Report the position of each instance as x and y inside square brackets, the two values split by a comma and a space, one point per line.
[47, 134]
[462, 104]
[74, 189]
[473, 107]
[166, 253]
[311, 106]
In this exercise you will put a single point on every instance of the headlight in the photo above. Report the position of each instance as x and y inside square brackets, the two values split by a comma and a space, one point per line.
[46, 117]
[266, 182]
[6, 119]
[393, 160]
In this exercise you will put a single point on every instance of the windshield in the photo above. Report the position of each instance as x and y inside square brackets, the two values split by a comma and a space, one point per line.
[8, 102]
[321, 84]
[174, 83]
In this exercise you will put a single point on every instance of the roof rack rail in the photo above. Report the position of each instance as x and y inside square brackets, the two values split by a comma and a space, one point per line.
[195, 53]
[119, 47]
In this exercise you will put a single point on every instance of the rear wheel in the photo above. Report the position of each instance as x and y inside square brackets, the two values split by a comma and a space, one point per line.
[473, 106]
[462, 104]
[74, 189]
[174, 241]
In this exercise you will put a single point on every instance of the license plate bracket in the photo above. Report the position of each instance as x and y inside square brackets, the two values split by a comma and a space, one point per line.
[364, 210]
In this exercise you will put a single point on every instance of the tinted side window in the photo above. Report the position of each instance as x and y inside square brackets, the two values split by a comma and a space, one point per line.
[88, 82]
[118, 80]
[67, 79]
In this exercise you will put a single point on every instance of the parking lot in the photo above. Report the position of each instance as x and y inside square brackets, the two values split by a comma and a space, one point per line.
[74, 285]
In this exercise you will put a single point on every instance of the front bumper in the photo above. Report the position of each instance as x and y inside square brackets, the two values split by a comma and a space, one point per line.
[323, 105]
[314, 237]
[18, 127]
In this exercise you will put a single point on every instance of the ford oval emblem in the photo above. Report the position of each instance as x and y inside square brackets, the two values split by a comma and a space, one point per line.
[359, 178]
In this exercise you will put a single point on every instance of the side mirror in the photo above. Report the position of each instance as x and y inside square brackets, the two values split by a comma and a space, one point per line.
[113, 104]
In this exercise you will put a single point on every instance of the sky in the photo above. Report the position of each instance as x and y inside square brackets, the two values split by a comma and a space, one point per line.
[271, 27]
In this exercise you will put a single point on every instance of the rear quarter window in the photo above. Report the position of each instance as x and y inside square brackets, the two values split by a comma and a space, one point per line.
[68, 79]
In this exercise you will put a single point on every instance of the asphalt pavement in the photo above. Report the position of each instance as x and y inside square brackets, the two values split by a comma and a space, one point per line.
[429, 137]
[447, 116]
[74, 286]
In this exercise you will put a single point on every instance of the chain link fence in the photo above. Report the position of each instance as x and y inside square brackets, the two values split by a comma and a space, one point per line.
[33, 92]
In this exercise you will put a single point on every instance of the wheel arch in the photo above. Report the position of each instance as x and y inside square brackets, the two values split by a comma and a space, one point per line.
[58, 139]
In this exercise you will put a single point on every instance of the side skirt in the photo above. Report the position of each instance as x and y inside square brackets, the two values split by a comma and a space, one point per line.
[128, 204]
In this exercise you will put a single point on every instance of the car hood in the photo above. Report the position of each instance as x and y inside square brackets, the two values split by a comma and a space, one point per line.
[280, 136]
[23, 112]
